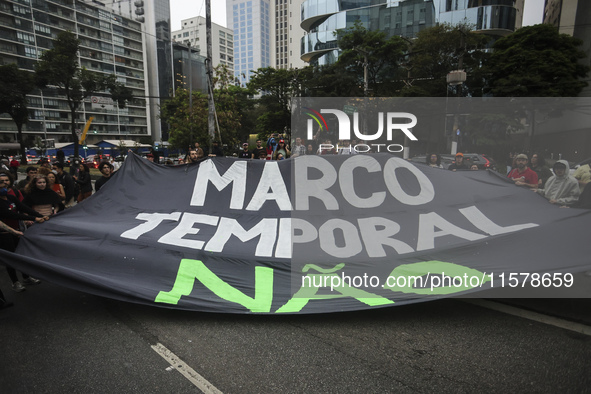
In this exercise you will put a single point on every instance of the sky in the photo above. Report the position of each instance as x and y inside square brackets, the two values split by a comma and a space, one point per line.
[185, 9]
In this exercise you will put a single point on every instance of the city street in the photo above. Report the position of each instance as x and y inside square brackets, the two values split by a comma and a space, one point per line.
[58, 340]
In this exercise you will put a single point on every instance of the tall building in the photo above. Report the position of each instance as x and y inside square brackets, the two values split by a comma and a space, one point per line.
[250, 21]
[295, 34]
[222, 40]
[572, 17]
[155, 18]
[320, 19]
[188, 74]
[109, 43]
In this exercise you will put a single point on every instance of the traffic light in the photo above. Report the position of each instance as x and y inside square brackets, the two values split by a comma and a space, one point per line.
[94, 131]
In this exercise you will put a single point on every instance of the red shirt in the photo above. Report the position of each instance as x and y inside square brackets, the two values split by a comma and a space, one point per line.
[529, 175]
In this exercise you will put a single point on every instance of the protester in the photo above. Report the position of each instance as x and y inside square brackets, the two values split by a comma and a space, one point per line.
[434, 160]
[12, 212]
[191, 157]
[323, 149]
[67, 182]
[561, 188]
[459, 163]
[522, 175]
[584, 199]
[538, 165]
[345, 148]
[150, 157]
[283, 149]
[40, 198]
[244, 153]
[31, 172]
[5, 232]
[84, 181]
[216, 150]
[583, 176]
[55, 186]
[106, 170]
[256, 152]
[272, 144]
[199, 151]
[13, 190]
[14, 165]
[299, 149]
[75, 166]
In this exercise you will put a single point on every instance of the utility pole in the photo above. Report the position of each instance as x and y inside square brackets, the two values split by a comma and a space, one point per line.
[209, 71]
[190, 95]
[457, 78]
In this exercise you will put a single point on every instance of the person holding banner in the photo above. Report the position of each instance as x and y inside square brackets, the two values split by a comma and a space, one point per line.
[12, 212]
[434, 160]
[40, 197]
[561, 188]
[522, 175]
[459, 163]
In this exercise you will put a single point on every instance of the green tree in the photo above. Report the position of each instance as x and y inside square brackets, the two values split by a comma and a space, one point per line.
[232, 105]
[375, 51]
[59, 67]
[537, 61]
[16, 84]
[277, 88]
[189, 124]
[443, 48]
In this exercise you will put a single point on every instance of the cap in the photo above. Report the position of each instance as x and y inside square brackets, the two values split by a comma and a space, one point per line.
[459, 154]
[149, 155]
[281, 141]
[521, 156]
[245, 144]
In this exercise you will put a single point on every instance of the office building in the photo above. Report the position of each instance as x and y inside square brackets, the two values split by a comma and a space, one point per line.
[321, 18]
[109, 43]
[154, 16]
[188, 75]
[222, 40]
[250, 21]
[572, 17]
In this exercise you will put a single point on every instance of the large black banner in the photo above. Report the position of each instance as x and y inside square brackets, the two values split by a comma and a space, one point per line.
[309, 235]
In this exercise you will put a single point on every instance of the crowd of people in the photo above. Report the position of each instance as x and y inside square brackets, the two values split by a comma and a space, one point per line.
[43, 192]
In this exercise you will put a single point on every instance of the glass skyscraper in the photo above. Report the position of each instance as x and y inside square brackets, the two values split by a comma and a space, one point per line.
[321, 18]
[251, 22]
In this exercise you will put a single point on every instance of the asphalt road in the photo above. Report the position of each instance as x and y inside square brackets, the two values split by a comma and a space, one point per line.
[56, 340]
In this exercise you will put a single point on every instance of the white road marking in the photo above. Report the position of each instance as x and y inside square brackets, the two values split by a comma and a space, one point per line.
[539, 317]
[197, 380]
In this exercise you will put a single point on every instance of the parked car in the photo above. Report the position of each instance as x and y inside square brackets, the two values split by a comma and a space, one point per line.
[480, 160]
[446, 160]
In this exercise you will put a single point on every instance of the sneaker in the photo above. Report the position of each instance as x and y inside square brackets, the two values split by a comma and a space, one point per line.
[18, 287]
[31, 281]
